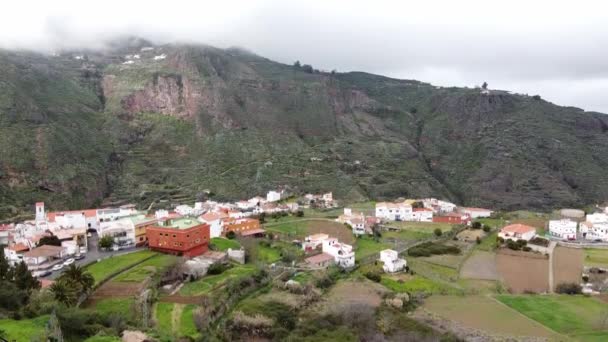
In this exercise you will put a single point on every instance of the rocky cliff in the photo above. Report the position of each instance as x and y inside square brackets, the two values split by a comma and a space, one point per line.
[161, 124]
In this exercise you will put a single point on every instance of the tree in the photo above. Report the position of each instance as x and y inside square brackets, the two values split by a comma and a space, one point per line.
[569, 288]
[297, 64]
[64, 293]
[307, 68]
[5, 267]
[484, 86]
[476, 225]
[486, 228]
[77, 275]
[299, 213]
[51, 240]
[106, 241]
[231, 235]
[417, 204]
[24, 279]
[437, 232]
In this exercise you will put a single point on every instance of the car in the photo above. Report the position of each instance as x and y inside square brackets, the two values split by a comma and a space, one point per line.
[40, 274]
[68, 262]
[80, 256]
[57, 267]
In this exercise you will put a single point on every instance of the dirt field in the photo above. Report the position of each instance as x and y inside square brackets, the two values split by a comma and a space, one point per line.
[522, 271]
[567, 265]
[351, 292]
[480, 265]
[113, 289]
[486, 314]
[470, 235]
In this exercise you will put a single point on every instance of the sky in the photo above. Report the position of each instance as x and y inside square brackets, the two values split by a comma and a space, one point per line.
[558, 49]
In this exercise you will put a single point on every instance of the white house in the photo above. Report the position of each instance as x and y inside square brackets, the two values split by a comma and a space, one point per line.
[358, 225]
[422, 215]
[214, 220]
[476, 212]
[111, 214]
[563, 229]
[438, 206]
[256, 201]
[43, 254]
[313, 241]
[594, 231]
[394, 211]
[121, 230]
[517, 232]
[391, 260]
[597, 218]
[343, 254]
[273, 196]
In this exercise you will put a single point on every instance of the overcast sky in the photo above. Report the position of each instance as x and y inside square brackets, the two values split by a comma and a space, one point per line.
[558, 49]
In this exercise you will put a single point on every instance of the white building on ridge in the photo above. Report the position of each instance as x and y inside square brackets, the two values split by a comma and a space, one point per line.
[392, 262]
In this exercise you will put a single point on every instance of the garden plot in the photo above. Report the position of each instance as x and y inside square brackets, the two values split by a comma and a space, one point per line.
[480, 265]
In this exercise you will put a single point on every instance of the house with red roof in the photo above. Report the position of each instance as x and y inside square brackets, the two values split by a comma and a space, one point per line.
[517, 232]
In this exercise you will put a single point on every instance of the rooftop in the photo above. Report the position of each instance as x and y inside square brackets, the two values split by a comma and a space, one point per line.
[182, 223]
[517, 228]
[44, 251]
[315, 259]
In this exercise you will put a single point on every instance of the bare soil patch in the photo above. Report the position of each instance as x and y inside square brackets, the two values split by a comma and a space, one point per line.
[480, 265]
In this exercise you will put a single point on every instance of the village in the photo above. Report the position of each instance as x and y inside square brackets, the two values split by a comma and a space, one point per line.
[429, 250]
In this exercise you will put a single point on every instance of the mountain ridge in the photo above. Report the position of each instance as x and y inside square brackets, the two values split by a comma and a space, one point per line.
[163, 123]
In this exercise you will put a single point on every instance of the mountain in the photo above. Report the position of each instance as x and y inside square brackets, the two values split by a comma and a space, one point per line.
[162, 124]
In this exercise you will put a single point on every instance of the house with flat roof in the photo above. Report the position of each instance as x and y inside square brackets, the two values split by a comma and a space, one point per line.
[179, 236]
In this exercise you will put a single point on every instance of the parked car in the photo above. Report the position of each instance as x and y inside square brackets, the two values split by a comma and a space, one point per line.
[42, 273]
[57, 267]
[80, 256]
[68, 262]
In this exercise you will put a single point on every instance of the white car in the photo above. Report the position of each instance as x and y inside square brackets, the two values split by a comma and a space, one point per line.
[68, 262]
[57, 267]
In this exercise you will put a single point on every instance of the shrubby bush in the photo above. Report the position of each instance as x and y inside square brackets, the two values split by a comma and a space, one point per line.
[431, 248]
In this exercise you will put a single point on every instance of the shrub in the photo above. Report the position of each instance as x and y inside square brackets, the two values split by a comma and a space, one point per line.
[299, 213]
[486, 228]
[478, 240]
[437, 232]
[373, 276]
[476, 225]
[231, 235]
[569, 288]
[431, 248]
[216, 269]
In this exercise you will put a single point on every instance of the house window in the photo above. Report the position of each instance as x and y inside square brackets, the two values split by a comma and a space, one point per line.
[174, 236]
[197, 240]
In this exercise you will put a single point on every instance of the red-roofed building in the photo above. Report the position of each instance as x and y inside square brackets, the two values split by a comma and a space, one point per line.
[214, 220]
[321, 260]
[240, 226]
[422, 214]
[453, 218]
[517, 232]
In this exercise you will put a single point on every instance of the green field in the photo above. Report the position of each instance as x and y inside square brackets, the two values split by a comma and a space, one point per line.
[366, 246]
[107, 267]
[583, 318]
[121, 306]
[147, 268]
[426, 227]
[596, 257]
[207, 283]
[268, 254]
[407, 235]
[164, 325]
[186, 324]
[25, 329]
[414, 284]
[488, 243]
[222, 244]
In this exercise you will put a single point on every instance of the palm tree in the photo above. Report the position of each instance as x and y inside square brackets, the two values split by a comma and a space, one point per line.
[64, 293]
[77, 275]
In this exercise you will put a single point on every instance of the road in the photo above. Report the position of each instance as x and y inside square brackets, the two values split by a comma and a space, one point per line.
[94, 254]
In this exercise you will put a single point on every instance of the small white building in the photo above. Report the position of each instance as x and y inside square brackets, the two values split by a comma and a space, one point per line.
[476, 212]
[214, 220]
[358, 225]
[422, 215]
[438, 206]
[312, 242]
[563, 229]
[343, 254]
[517, 232]
[394, 211]
[273, 196]
[392, 262]
[594, 231]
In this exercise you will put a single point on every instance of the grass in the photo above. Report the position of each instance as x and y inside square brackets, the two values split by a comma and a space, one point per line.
[576, 316]
[596, 257]
[207, 283]
[422, 226]
[414, 284]
[147, 268]
[121, 306]
[186, 324]
[406, 235]
[366, 247]
[164, 324]
[107, 267]
[222, 244]
[25, 329]
[268, 254]
[488, 243]
[299, 228]
[484, 313]
[432, 270]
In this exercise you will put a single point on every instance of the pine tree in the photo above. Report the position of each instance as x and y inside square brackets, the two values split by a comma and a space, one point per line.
[5, 267]
[24, 279]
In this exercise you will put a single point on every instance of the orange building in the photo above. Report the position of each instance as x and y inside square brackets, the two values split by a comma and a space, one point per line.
[243, 226]
[180, 236]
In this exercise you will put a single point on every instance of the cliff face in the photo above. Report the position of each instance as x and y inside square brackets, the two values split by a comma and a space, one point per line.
[163, 123]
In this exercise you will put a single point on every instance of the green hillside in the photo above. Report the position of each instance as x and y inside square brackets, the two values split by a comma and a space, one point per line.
[177, 120]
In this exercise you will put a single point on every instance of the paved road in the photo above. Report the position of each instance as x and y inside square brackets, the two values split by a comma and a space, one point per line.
[94, 254]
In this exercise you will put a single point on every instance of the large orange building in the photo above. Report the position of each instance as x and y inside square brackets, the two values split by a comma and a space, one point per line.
[243, 226]
[179, 236]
